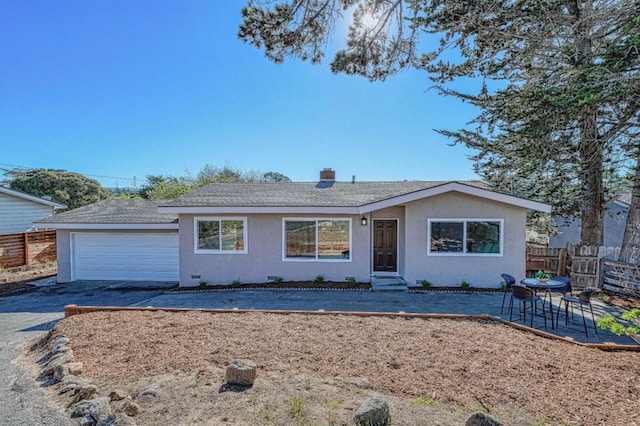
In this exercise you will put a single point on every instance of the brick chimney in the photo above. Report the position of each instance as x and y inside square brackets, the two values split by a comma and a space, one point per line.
[327, 175]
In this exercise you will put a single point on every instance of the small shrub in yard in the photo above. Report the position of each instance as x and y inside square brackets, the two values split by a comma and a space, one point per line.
[319, 279]
[423, 401]
[426, 284]
[608, 322]
[278, 280]
[465, 285]
[235, 283]
[202, 283]
[351, 280]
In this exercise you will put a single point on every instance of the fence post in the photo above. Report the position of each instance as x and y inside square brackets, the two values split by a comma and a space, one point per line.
[26, 248]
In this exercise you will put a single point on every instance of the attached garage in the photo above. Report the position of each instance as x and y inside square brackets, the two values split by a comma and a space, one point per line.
[124, 256]
[120, 240]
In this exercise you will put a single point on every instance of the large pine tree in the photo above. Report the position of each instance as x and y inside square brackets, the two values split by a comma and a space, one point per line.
[565, 76]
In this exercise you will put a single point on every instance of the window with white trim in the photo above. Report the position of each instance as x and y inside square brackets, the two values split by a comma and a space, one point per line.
[220, 235]
[317, 239]
[482, 237]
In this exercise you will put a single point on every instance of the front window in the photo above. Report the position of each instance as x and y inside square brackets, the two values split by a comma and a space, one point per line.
[220, 235]
[317, 239]
[465, 236]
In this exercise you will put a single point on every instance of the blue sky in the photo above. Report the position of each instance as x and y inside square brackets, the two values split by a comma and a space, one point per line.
[128, 89]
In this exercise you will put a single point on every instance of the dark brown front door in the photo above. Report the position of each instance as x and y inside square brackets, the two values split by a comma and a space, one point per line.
[385, 246]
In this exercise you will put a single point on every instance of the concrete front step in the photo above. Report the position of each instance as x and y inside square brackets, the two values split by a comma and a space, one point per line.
[388, 283]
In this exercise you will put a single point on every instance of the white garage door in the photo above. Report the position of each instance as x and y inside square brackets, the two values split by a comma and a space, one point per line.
[125, 256]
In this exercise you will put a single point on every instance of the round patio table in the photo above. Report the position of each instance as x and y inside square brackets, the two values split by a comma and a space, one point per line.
[535, 284]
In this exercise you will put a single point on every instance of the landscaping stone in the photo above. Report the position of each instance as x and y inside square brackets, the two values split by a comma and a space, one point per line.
[481, 419]
[373, 412]
[117, 419]
[100, 409]
[58, 360]
[87, 421]
[129, 407]
[84, 392]
[241, 372]
[150, 392]
[73, 368]
[117, 395]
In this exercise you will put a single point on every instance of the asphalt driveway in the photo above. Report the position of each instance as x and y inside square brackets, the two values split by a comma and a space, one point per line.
[26, 316]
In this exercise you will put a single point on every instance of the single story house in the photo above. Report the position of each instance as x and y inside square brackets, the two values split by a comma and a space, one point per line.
[443, 232]
[19, 210]
[615, 220]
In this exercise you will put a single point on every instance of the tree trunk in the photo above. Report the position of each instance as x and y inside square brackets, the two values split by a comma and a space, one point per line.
[591, 153]
[630, 252]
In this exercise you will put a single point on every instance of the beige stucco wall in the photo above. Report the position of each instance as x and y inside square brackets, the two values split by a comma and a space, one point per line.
[478, 270]
[264, 255]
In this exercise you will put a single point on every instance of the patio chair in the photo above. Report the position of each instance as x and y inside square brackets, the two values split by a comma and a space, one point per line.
[524, 295]
[508, 281]
[582, 299]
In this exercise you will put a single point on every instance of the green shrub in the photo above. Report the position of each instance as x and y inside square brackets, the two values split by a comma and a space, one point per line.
[608, 322]
[278, 280]
[465, 285]
[426, 284]
[319, 279]
[202, 283]
[235, 283]
[351, 280]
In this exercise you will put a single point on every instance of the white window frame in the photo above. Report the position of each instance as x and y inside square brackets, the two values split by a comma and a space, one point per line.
[198, 219]
[316, 220]
[464, 237]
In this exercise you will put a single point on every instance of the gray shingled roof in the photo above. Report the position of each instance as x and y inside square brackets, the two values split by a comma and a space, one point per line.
[301, 194]
[116, 212]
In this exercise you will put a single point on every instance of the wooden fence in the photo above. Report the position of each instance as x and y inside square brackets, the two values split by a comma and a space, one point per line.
[27, 248]
[622, 278]
[581, 263]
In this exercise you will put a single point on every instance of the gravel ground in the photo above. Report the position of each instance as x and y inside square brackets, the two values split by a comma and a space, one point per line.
[445, 367]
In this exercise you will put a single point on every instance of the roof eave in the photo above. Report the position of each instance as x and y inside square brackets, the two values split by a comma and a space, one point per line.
[457, 187]
[106, 226]
[258, 210]
[39, 200]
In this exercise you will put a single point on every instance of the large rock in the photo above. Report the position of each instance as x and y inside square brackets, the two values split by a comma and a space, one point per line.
[241, 372]
[129, 407]
[373, 412]
[118, 419]
[84, 392]
[481, 419]
[58, 360]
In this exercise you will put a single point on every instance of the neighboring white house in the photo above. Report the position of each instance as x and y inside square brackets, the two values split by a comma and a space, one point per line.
[444, 232]
[18, 211]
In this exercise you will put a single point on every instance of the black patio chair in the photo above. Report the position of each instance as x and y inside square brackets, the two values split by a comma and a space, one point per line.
[524, 295]
[508, 281]
[582, 299]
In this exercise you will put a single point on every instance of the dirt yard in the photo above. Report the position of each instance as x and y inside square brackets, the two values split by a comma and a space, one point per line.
[316, 370]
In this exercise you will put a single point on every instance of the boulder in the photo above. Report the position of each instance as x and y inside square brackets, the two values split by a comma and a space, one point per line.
[58, 360]
[117, 395]
[100, 409]
[74, 368]
[117, 419]
[129, 407]
[373, 412]
[149, 393]
[61, 341]
[241, 372]
[87, 421]
[481, 419]
[84, 392]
